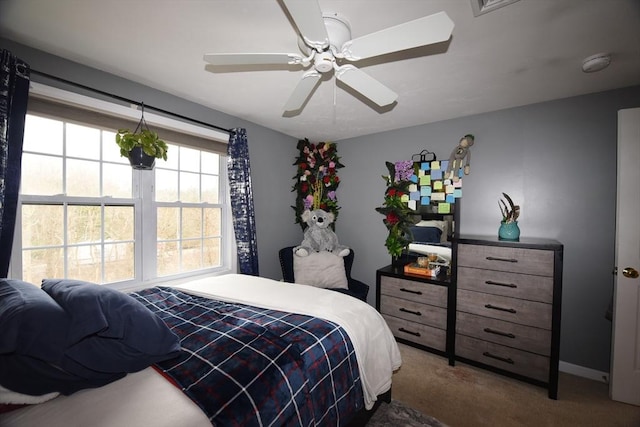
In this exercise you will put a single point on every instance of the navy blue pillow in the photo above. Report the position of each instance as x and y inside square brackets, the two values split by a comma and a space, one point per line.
[110, 330]
[31, 322]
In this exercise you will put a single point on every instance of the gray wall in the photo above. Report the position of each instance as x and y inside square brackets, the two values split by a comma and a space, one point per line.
[556, 159]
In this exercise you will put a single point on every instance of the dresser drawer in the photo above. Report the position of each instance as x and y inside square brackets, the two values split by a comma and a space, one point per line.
[515, 260]
[413, 311]
[503, 357]
[420, 292]
[534, 340]
[417, 333]
[523, 312]
[524, 286]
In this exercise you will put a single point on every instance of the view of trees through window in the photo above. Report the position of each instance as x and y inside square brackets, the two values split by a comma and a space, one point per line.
[82, 204]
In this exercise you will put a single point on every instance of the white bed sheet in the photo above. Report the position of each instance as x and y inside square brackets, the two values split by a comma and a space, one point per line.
[146, 398]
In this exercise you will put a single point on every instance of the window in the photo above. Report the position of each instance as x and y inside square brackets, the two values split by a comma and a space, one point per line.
[85, 214]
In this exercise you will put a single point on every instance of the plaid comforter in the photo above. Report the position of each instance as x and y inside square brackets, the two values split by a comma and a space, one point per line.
[248, 366]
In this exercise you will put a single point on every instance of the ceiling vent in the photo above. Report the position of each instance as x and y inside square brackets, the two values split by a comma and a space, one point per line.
[480, 7]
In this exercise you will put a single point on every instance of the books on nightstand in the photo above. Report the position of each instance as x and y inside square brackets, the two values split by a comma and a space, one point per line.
[429, 271]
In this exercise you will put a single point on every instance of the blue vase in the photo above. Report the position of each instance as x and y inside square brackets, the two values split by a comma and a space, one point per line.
[509, 231]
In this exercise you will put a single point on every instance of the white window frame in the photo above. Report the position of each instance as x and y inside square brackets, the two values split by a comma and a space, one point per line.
[145, 231]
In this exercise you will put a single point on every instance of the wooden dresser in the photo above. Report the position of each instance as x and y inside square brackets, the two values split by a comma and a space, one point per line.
[415, 308]
[508, 305]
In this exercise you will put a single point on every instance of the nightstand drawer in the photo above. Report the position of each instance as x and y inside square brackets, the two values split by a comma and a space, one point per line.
[523, 312]
[515, 260]
[524, 286]
[534, 340]
[420, 292]
[418, 333]
[503, 357]
[414, 312]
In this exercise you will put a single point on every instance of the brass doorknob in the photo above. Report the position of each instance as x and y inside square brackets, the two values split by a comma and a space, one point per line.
[630, 272]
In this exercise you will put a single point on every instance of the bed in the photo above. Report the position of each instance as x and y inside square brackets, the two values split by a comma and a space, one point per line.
[304, 374]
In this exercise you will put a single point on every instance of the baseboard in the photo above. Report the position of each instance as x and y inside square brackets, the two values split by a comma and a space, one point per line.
[581, 371]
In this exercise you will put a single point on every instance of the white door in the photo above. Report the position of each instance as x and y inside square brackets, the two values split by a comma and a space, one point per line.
[625, 358]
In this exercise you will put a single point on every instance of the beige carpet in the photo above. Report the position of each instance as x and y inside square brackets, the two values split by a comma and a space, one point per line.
[464, 396]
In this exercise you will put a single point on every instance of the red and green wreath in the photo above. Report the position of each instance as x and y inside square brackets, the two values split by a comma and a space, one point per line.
[316, 179]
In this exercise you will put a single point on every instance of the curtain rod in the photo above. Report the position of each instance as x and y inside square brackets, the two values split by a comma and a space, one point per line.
[130, 101]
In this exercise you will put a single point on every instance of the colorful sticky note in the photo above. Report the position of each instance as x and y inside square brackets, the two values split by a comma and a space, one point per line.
[448, 189]
[435, 165]
[457, 184]
[439, 197]
[436, 174]
[444, 208]
[425, 166]
[413, 178]
[425, 180]
[457, 193]
[425, 201]
[425, 190]
[450, 198]
[412, 205]
[412, 188]
[437, 185]
[444, 164]
[414, 195]
[404, 198]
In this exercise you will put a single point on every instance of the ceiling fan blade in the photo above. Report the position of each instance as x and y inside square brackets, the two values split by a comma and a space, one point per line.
[303, 90]
[252, 58]
[420, 32]
[366, 85]
[308, 18]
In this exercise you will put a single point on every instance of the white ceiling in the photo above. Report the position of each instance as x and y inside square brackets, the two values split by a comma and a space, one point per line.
[523, 53]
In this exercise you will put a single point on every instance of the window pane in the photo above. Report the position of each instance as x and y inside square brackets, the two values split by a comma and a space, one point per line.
[173, 154]
[191, 255]
[212, 222]
[38, 264]
[116, 180]
[85, 263]
[168, 258]
[110, 151]
[210, 163]
[211, 253]
[166, 185]
[119, 262]
[41, 175]
[119, 223]
[210, 188]
[42, 225]
[83, 141]
[189, 159]
[42, 135]
[191, 223]
[167, 225]
[83, 178]
[189, 187]
[84, 224]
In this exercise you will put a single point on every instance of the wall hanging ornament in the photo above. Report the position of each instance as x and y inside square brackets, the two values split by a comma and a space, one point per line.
[316, 179]
[142, 146]
[509, 229]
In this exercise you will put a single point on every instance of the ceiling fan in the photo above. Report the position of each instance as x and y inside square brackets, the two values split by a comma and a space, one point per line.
[327, 44]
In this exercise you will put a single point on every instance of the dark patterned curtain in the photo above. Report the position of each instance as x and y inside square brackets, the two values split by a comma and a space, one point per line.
[241, 191]
[14, 93]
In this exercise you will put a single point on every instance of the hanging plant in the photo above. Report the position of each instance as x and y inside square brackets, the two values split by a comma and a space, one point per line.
[316, 179]
[141, 140]
[398, 218]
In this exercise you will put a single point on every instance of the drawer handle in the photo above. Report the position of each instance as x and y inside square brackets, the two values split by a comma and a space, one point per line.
[494, 307]
[502, 359]
[417, 313]
[492, 258]
[503, 334]
[417, 334]
[506, 285]
[410, 291]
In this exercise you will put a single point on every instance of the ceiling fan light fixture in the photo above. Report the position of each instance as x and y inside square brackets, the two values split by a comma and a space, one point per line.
[596, 62]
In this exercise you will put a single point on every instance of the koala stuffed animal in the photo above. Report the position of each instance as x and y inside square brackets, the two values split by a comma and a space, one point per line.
[319, 236]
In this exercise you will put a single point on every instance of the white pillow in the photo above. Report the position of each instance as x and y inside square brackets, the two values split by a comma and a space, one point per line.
[320, 269]
[11, 397]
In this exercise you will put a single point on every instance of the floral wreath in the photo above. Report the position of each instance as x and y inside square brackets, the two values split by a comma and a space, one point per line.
[316, 180]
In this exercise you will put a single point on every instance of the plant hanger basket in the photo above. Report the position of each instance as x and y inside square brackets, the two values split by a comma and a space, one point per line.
[142, 146]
